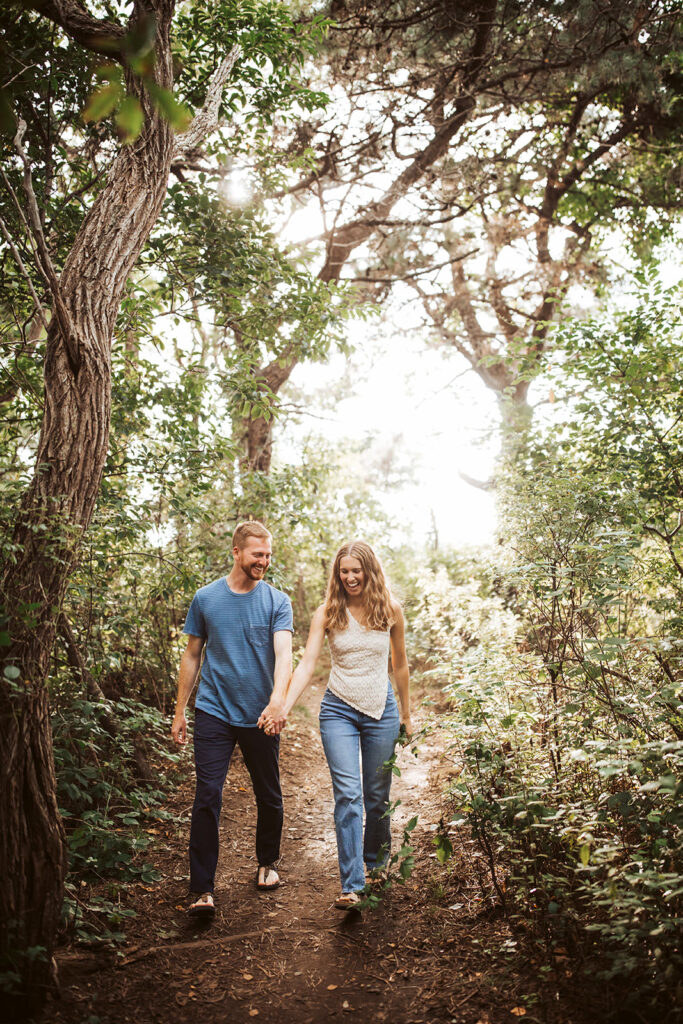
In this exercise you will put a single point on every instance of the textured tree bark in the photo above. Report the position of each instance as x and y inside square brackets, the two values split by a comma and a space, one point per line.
[55, 511]
[257, 433]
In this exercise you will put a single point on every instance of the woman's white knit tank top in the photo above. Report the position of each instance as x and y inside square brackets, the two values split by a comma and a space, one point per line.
[360, 667]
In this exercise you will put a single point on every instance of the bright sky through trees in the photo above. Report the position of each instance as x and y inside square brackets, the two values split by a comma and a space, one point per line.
[419, 406]
[420, 409]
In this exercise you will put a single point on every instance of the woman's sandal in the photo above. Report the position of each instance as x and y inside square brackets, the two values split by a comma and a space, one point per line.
[203, 906]
[267, 878]
[348, 901]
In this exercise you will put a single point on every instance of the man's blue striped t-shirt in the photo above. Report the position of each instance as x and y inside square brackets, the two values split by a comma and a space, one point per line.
[239, 658]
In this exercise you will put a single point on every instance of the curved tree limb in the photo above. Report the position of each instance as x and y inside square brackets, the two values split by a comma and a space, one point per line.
[42, 251]
[206, 120]
[99, 36]
[24, 273]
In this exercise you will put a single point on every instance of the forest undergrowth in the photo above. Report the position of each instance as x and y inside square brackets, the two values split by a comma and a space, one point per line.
[565, 656]
[434, 946]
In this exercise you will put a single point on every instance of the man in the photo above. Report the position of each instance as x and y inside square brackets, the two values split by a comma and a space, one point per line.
[245, 628]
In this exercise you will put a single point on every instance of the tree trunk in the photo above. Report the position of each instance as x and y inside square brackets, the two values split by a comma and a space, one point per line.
[259, 445]
[32, 853]
[53, 515]
[516, 418]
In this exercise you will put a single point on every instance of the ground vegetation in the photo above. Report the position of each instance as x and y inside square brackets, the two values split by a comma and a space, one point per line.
[566, 665]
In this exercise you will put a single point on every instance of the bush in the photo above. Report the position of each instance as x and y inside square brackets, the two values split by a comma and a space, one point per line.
[107, 810]
[567, 668]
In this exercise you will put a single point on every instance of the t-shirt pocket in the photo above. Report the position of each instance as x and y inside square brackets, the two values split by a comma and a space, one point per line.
[258, 636]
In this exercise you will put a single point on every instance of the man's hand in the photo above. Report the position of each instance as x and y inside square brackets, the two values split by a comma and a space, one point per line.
[273, 717]
[179, 728]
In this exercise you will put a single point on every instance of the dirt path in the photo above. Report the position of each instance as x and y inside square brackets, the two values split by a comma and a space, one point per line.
[424, 956]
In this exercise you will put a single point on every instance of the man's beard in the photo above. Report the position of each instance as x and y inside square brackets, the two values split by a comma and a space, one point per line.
[253, 573]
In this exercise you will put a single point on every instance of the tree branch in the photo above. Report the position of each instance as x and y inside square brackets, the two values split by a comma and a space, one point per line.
[103, 37]
[481, 485]
[25, 274]
[207, 120]
[370, 276]
[42, 252]
[341, 242]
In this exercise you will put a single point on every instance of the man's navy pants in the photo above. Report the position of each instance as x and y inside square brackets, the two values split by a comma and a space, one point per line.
[214, 742]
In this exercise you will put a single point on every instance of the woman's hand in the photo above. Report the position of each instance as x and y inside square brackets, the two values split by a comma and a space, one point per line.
[399, 664]
[407, 725]
[268, 724]
[273, 718]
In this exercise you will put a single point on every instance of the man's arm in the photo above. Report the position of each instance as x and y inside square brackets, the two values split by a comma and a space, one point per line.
[187, 677]
[275, 710]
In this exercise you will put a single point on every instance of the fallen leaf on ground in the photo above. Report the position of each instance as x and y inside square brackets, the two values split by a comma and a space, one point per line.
[518, 1011]
[248, 977]
[253, 1013]
[214, 999]
[331, 988]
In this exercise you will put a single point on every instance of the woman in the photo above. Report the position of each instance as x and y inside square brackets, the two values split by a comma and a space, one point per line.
[358, 712]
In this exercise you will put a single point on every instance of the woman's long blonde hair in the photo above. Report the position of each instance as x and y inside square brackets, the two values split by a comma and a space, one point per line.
[377, 613]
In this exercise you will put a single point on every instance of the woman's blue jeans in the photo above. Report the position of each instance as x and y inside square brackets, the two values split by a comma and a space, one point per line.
[349, 736]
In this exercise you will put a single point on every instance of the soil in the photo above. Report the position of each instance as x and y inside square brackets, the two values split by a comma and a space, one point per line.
[431, 952]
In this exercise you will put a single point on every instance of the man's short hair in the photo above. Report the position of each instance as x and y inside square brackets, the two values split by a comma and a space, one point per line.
[245, 530]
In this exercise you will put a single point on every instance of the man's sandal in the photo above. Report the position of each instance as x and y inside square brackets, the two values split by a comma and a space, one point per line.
[348, 901]
[267, 877]
[202, 907]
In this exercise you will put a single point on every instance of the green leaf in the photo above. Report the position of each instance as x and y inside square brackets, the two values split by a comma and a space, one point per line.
[585, 854]
[139, 39]
[129, 119]
[102, 102]
[406, 866]
[177, 114]
[11, 672]
[109, 73]
[444, 848]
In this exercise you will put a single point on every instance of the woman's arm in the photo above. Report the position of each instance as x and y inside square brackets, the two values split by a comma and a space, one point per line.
[303, 673]
[399, 665]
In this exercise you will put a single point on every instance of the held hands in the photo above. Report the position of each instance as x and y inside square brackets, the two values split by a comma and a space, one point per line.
[179, 728]
[273, 718]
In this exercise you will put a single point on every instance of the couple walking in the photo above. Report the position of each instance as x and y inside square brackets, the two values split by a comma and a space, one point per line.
[243, 627]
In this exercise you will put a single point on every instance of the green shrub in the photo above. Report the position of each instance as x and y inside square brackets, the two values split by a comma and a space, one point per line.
[105, 807]
[566, 668]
